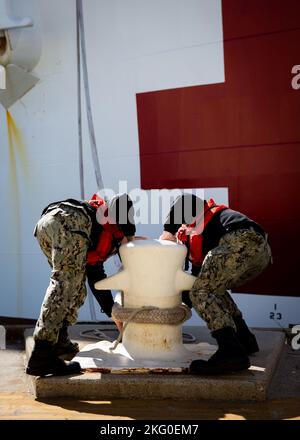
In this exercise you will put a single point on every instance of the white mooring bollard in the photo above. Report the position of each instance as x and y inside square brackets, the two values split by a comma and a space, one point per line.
[152, 281]
[152, 276]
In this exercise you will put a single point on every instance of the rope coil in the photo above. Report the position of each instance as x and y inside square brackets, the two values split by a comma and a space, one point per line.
[152, 315]
[149, 315]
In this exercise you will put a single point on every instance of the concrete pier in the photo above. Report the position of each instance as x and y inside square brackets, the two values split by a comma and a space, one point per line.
[246, 385]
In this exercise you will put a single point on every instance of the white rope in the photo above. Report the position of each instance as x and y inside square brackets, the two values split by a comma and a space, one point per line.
[82, 59]
[80, 149]
[95, 334]
[94, 150]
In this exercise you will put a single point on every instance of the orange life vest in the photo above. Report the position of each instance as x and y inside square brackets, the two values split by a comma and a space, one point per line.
[191, 234]
[109, 236]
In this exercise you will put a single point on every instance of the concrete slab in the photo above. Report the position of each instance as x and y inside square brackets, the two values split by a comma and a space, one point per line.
[247, 385]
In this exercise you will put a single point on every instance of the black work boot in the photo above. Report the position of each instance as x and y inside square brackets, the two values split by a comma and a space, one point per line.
[230, 356]
[43, 361]
[64, 344]
[246, 338]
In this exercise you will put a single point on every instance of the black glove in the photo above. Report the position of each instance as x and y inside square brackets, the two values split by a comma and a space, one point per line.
[104, 298]
[186, 299]
[196, 270]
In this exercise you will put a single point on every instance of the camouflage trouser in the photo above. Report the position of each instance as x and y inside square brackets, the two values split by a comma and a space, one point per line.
[63, 235]
[240, 256]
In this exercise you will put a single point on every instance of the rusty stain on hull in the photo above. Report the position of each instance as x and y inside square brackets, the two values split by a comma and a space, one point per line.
[17, 152]
[16, 147]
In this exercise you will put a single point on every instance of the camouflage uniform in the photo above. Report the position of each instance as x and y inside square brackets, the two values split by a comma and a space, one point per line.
[63, 235]
[240, 256]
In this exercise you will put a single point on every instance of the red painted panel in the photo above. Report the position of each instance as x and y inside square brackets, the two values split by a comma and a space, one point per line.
[244, 133]
[242, 18]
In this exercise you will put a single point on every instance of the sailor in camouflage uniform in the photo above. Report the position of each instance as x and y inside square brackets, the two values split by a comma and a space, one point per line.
[226, 249]
[63, 235]
[71, 235]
